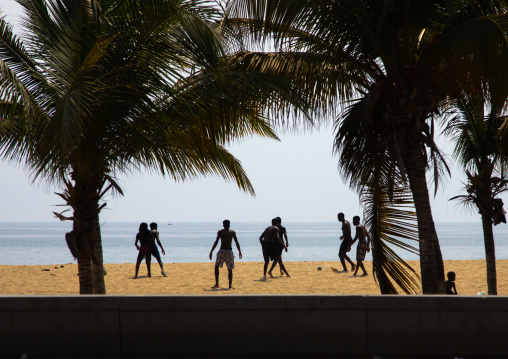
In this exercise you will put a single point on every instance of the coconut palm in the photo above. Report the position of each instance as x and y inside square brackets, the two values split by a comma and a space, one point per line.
[478, 150]
[388, 206]
[105, 87]
[400, 61]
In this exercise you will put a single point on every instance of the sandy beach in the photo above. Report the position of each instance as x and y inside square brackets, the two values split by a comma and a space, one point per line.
[197, 278]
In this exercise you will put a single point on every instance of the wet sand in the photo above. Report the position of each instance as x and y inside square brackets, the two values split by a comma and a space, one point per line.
[198, 278]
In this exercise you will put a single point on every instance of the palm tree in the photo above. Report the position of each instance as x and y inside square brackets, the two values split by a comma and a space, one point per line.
[102, 88]
[391, 222]
[388, 205]
[399, 62]
[478, 150]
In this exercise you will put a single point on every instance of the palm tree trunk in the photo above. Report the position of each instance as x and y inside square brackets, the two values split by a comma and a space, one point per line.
[490, 254]
[99, 287]
[84, 257]
[85, 275]
[85, 203]
[431, 260]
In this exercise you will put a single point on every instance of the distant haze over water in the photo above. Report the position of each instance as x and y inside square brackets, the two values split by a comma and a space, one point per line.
[44, 243]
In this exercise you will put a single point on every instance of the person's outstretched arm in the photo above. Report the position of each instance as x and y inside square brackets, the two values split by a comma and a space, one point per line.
[237, 245]
[136, 243]
[354, 239]
[287, 242]
[261, 237]
[280, 241]
[159, 242]
[214, 245]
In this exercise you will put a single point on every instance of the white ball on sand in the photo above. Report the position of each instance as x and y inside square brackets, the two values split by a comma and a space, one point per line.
[319, 268]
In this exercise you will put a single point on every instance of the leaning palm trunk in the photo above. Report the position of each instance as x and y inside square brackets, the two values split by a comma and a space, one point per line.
[84, 196]
[490, 254]
[99, 287]
[83, 238]
[431, 260]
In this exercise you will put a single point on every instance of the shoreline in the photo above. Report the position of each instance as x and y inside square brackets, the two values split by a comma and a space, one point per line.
[197, 278]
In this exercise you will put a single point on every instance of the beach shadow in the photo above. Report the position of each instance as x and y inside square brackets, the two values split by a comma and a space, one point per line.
[341, 272]
[218, 289]
[262, 280]
[141, 277]
[281, 277]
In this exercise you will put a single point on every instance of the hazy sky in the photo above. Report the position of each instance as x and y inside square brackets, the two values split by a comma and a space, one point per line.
[296, 179]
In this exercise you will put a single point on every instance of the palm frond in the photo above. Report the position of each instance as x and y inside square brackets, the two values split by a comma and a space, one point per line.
[391, 223]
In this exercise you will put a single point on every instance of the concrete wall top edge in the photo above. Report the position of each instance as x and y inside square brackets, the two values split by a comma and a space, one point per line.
[195, 302]
[59, 302]
[242, 302]
[266, 302]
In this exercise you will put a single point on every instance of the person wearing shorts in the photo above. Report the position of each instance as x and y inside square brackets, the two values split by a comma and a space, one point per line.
[280, 248]
[363, 246]
[225, 254]
[155, 251]
[267, 240]
[345, 246]
[144, 248]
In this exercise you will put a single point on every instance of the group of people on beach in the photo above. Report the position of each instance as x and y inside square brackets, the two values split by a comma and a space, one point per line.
[148, 240]
[272, 245]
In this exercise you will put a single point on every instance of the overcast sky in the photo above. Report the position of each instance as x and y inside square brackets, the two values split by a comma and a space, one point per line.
[296, 179]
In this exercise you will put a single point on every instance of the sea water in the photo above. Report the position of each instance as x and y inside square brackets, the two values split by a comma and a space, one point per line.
[44, 243]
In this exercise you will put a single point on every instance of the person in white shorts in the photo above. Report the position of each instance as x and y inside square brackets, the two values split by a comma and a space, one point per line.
[225, 254]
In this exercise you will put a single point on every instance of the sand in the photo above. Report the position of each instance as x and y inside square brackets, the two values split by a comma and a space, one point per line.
[197, 278]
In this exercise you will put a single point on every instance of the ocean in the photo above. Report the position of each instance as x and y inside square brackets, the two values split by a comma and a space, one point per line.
[44, 243]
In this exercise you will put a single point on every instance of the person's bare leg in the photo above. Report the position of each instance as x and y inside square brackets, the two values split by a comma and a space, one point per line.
[363, 268]
[230, 277]
[216, 278]
[283, 268]
[273, 266]
[267, 260]
[346, 257]
[162, 267]
[138, 263]
[359, 264]
[148, 267]
[137, 270]
[280, 261]
[343, 261]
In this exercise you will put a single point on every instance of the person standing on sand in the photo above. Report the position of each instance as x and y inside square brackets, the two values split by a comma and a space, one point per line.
[347, 241]
[145, 247]
[282, 235]
[267, 240]
[155, 252]
[363, 245]
[225, 253]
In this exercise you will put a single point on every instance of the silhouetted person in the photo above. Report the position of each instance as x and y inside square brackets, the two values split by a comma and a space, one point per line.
[282, 235]
[347, 241]
[155, 252]
[450, 283]
[267, 241]
[145, 248]
[225, 253]
[363, 246]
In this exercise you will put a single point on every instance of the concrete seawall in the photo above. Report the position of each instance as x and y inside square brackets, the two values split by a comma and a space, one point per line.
[306, 325]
